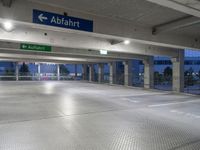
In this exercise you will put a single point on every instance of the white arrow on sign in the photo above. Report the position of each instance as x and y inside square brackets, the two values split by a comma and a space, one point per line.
[42, 18]
[24, 46]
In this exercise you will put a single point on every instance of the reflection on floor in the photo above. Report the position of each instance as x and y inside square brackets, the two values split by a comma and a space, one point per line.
[83, 116]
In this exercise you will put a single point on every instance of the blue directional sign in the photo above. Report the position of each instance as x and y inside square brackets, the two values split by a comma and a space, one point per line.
[57, 20]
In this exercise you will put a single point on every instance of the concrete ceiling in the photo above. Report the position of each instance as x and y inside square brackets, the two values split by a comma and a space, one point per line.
[190, 7]
[188, 31]
[140, 12]
[143, 21]
[189, 3]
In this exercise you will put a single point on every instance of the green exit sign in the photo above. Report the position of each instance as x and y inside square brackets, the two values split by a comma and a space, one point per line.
[35, 47]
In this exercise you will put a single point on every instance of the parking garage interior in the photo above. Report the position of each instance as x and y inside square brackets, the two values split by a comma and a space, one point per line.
[107, 75]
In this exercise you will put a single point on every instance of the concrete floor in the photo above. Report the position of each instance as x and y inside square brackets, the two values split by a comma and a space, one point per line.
[84, 116]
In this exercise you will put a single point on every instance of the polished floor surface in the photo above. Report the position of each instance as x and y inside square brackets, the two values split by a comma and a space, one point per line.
[85, 116]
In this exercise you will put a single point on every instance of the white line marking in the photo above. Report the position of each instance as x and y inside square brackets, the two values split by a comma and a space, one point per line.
[185, 114]
[176, 103]
[135, 101]
[129, 100]
[135, 95]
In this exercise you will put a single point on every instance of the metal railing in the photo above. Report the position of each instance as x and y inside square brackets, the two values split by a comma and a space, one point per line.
[163, 83]
[37, 77]
[7, 78]
[192, 84]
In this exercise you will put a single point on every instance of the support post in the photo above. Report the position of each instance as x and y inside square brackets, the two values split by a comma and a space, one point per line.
[17, 71]
[128, 75]
[39, 72]
[100, 72]
[84, 72]
[58, 72]
[178, 72]
[112, 77]
[91, 72]
[149, 72]
[75, 70]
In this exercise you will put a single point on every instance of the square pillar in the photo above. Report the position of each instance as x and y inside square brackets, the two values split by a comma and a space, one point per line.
[58, 72]
[84, 72]
[178, 72]
[149, 72]
[128, 75]
[17, 71]
[100, 72]
[112, 77]
[39, 71]
[75, 68]
[91, 72]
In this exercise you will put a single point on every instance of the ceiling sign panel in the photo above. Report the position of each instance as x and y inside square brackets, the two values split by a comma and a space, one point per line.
[57, 20]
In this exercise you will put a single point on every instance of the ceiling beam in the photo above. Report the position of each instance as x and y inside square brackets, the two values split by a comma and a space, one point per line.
[11, 47]
[56, 58]
[105, 28]
[176, 24]
[79, 41]
[114, 42]
[177, 6]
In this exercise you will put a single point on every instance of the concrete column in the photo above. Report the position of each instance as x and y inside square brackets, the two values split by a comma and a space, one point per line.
[178, 72]
[112, 78]
[100, 72]
[58, 72]
[149, 72]
[39, 71]
[128, 73]
[17, 71]
[75, 70]
[84, 71]
[91, 72]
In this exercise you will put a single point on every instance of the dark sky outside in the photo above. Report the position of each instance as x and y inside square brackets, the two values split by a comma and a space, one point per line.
[192, 53]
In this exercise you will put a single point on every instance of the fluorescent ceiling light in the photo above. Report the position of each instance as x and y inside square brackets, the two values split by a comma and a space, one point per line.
[126, 42]
[8, 25]
[103, 52]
